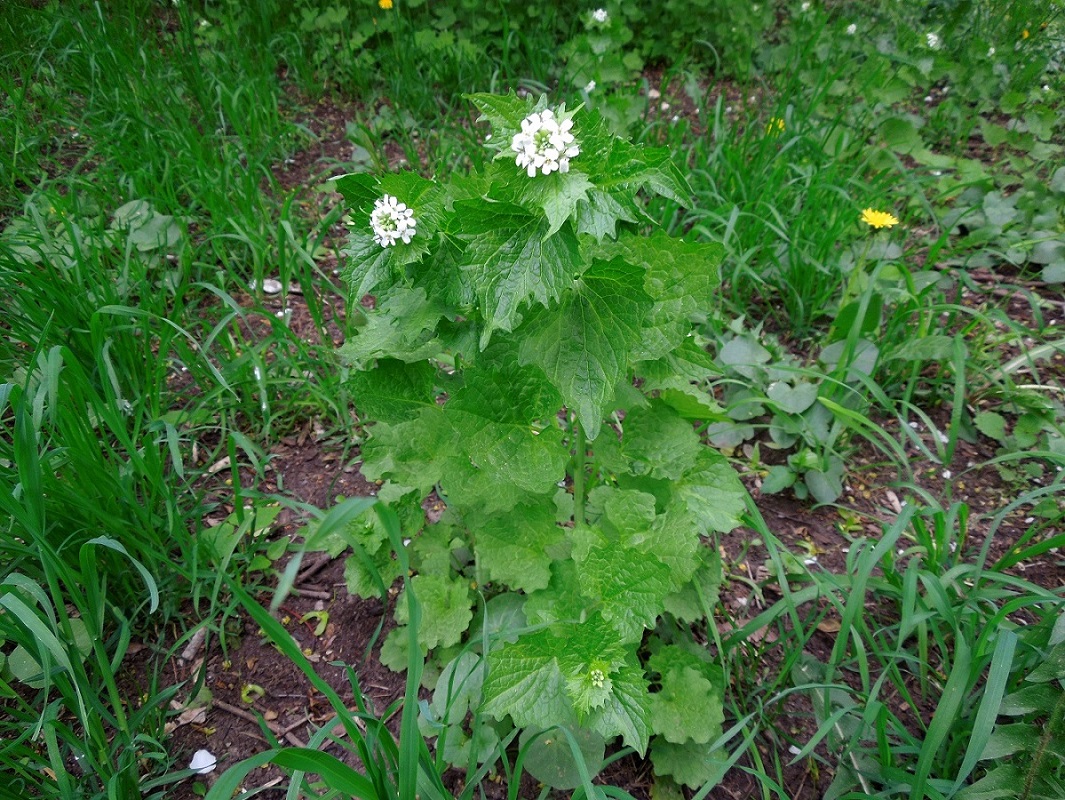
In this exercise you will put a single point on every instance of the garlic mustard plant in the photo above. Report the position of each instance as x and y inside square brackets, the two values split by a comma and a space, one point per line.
[392, 222]
[531, 361]
[545, 143]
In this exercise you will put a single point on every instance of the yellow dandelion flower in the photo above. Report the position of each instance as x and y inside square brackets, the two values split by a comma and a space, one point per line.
[1025, 34]
[385, 4]
[774, 126]
[879, 219]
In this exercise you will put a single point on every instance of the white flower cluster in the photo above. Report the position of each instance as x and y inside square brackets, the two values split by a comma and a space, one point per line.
[933, 41]
[601, 16]
[392, 221]
[544, 144]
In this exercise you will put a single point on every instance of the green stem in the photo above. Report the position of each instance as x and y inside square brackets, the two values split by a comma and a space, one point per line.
[1049, 733]
[578, 471]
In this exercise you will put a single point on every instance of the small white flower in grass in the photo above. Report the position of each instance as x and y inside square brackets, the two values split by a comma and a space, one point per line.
[544, 144]
[392, 221]
[203, 761]
[852, 29]
[601, 16]
[805, 7]
[990, 52]
[589, 87]
[933, 41]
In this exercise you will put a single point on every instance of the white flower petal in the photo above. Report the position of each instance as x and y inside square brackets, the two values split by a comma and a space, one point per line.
[203, 761]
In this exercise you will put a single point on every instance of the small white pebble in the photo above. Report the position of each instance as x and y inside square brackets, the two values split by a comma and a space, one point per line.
[947, 474]
[793, 749]
[270, 286]
[915, 425]
[942, 437]
[1029, 520]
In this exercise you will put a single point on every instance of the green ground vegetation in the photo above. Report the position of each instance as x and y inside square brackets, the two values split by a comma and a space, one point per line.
[144, 223]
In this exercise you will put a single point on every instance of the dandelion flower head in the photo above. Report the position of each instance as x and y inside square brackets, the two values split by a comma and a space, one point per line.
[392, 221]
[878, 219]
[545, 144]
[384, 4]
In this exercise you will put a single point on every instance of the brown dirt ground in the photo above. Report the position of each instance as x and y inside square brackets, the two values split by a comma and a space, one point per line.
[316, 473]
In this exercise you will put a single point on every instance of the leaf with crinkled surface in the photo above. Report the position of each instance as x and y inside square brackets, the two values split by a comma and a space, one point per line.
[431, 549]
[368, 263]
[626, 712]
[403, 327]
[622, 168]
[561, 600]
[504, 112]
[513, 261]
[364, 577]
[625, 510]
[584, 345]
[627, 586]
[686, 603]
[557, 195]
[497, 387]
[446, 610]
[599, 213]
[393, 391]
[674, 540]
[413, 453]
[681, 277]
[525, 681]
[557, 675]
[692, 764]
[659, 443]
[712, 492]
[512, 547]
[686, 708]
[497, 465]
[477, 462]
